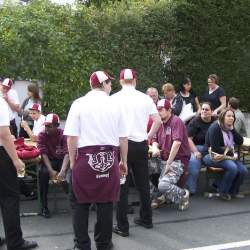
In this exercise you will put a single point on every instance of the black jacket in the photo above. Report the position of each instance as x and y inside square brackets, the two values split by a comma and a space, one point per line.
[214, 138]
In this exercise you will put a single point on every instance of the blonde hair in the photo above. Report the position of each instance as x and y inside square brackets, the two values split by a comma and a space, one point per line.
[168, 87]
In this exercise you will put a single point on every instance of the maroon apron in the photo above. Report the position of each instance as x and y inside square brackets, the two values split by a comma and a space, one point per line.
[96, 174]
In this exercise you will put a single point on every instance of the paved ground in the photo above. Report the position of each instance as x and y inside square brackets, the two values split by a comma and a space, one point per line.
[207, 222]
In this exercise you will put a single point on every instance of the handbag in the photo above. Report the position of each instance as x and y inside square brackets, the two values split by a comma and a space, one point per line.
[24, 151]
[221, 157]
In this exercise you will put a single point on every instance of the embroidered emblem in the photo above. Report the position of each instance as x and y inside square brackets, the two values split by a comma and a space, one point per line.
[102, 161]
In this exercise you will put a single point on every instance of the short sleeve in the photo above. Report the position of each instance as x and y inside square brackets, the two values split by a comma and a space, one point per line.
[4, 113]
[72, 126]
[14, 97]
[192, 128]
[221, 92]
[178, 130]
[122, 124]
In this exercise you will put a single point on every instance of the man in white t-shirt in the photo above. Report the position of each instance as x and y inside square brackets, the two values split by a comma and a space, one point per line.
[10, 165]
[11, 97]
[35, 112]
[138, 108]
[96, 131]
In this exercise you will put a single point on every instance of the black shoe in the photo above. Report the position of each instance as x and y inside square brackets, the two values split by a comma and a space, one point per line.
[45, 213]
[225, 197]
[27, 245]
[74, 248]
[116, 230]
[139, 222]
[2, 241]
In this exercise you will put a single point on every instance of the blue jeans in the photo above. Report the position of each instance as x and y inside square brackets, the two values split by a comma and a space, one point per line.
[234, 173]
[194, 167]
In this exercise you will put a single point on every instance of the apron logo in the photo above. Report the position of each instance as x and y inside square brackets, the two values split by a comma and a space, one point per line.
[101, 162]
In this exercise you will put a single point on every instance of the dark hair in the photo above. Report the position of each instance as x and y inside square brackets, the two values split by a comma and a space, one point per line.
[223, 114]
[214, 77]
[186, 80]
[209, 104]
[33, 88]
[234, 102]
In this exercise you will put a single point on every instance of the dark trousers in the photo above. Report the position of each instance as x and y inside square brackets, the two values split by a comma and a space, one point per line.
[138, 163]
[44, 180]
[103, 226]
[9, 201]
[13, 127]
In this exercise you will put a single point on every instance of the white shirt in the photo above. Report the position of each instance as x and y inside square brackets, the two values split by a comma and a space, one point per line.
[96, 120]
[138, 108]
[12, 95]
[4, 114]
[38, 125]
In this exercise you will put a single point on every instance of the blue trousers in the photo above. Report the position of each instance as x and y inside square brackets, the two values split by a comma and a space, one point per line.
[234, 173]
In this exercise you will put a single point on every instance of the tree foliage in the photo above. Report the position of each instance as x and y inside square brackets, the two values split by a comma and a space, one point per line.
[162, 40]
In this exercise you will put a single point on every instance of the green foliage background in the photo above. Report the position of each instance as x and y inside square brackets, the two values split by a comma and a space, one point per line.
[62, 45]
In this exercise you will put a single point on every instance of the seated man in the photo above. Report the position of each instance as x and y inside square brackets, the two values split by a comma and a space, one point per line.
[171, 144]
[55, 159]
[38, 118]
[197, 129]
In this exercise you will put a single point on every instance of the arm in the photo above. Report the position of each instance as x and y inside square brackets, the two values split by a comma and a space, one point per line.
[177, 105]
[223, 101]
[64, 167]
[238, 139]
[13, 106]
[72, 148]
[193, 148]
[47, 163]
[123, 152]
[27, 129]
[214, 137]
[198, 105]
[156, 124]
[173, 152]
[9, 146]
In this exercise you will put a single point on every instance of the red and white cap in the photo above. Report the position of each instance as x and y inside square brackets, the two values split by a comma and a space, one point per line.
[128, 74]
[36, 106]
[7, 82]
[99, 77]
[52, 119]
[163, 103]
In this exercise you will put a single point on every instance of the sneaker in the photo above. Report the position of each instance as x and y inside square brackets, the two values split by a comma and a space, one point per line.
[238, 196]
[184, 203]
[156, 203]
[140, 222]
[118, 231]
[45, 213]
[225, 197]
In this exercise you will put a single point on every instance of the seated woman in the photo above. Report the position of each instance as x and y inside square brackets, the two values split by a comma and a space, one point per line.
[222, 134]
[197, 129]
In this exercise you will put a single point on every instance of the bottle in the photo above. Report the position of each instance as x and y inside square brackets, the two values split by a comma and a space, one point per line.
[122, 179]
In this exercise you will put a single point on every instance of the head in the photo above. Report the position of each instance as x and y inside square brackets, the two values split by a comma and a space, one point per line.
[33, 91]
[128, 77]
[186, 85]
[212, 81]
[6, 85]
[153, 93]
[233, 103]
[168, 91]
[51, 123]
[101, 80]
[164, 109]
[227, 118]
[35, 111]
[206, 111]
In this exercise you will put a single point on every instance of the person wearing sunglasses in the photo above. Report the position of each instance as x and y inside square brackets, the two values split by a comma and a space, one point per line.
[197, 129]
[55, 158]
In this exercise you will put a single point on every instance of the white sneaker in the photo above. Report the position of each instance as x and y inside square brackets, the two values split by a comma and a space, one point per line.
[158, 202]
[184, 203]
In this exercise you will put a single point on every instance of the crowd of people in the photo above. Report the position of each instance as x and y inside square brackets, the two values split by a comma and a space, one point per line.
[162, 142]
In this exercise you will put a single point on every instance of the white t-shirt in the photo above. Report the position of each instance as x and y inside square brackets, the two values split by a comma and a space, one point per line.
[138, 108]
[39, 125]
[96, 120]
[12, 95]
[4, 114]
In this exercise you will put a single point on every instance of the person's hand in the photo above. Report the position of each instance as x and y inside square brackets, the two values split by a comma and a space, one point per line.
[61, 176]
[24, 124]
[168, 168]
[197, 155]
[19, 165]
[52, 174]
[215, 113]
[156, 151]
[123, 168]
